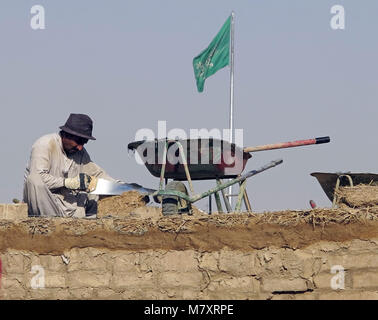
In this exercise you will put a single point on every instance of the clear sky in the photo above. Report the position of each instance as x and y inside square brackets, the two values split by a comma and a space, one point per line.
[128, 64]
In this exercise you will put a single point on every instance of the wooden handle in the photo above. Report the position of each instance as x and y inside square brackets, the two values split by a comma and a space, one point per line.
[290, 144]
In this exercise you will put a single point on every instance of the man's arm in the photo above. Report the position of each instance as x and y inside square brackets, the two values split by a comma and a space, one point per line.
[40, 163]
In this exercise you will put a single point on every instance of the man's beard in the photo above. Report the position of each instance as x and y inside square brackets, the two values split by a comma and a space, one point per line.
[71, 151]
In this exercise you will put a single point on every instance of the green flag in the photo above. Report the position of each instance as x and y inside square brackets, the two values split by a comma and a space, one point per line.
[214, 57]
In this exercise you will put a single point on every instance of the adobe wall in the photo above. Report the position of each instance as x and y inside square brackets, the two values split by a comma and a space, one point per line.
[282, 255]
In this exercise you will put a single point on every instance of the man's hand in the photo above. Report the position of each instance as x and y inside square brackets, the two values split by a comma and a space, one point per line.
[80, 182]
[92, 185]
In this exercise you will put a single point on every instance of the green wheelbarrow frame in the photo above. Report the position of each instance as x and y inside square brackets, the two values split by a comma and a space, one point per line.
[220, 186]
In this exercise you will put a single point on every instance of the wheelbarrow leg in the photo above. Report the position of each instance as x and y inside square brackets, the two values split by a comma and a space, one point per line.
[218, 202]
[245, 197]
[240, 195]
[246, 201]
[185, 164]
[225, 199]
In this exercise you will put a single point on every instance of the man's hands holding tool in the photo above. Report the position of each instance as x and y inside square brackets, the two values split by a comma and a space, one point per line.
[83, 182]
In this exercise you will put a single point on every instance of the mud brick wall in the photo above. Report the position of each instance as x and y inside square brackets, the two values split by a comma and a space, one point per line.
[271, 273]
[74, 259]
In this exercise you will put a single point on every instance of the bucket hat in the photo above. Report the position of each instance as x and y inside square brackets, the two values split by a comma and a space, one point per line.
[79, 125]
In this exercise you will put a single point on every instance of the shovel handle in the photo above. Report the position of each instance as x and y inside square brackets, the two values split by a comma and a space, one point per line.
[290, 144]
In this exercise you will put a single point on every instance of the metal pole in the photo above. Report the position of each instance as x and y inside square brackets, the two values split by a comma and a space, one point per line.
[232, 78]
[231, 90]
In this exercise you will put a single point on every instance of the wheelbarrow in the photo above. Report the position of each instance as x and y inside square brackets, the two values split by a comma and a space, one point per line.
[203, 159]
[331, 182]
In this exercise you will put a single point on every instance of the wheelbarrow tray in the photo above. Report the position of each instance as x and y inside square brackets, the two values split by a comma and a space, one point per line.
[328, 180]
[206, 158]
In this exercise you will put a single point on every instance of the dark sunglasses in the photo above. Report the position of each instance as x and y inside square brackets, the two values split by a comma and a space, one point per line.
[77, 139]
[80, 141]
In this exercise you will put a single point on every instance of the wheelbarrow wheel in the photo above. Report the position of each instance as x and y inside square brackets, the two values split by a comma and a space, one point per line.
[172, 204]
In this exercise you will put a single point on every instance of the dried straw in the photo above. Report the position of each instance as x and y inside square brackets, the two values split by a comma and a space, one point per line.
[320, 217]
[360, 196]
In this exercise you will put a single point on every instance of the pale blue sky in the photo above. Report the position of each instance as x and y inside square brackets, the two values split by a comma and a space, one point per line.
[128, 64]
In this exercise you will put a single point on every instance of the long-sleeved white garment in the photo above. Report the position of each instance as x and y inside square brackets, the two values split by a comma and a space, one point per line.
[49, 165]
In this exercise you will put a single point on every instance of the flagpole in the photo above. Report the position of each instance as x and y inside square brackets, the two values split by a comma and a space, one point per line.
[231, 90]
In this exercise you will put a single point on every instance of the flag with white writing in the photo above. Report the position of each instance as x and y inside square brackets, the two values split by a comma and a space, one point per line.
[214, 57]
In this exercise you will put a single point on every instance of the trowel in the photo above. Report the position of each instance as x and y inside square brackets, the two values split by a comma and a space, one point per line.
[110, 188]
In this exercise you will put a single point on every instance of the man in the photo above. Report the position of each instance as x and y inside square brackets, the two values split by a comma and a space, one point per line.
[60, 172]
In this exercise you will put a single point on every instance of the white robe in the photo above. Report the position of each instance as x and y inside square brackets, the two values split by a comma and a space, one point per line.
[48, 166]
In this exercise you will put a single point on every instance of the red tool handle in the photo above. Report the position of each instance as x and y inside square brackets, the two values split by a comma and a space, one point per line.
[290, 144]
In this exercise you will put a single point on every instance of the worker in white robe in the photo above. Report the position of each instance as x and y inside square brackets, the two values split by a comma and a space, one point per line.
[59, 172]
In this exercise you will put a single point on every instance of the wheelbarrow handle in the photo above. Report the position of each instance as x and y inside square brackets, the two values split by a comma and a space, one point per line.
[290, 144]
[219, 187]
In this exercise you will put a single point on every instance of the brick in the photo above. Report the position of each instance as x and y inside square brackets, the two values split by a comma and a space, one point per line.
[13, 263]
[283, 261]
[17, 211]
[359, 246]
[349, 295]
[82, 279]
[367, 279]
[82, 293]
[181, 279]
[107, 294]
[323, 280]
[55, 280]
[49, 294]
[328, 247]
[209, 261]
[351, 261]
[13, 294]
[140, 294]
[241, 264]
[53, 263]
[310, 264]
[2, 211]
[12, 282]
[94, 252]
[132, 280]
[241, 286]
[128, 262]
[189, 294]
[241, 283]
[179, 261]
[82, 259]
[284, 285]
[147, 260]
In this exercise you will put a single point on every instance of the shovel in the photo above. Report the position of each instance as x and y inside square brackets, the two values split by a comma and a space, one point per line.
[110, 188]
